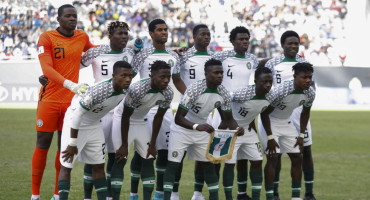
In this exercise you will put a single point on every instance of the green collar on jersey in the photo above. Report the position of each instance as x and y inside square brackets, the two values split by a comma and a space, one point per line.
[296, 92]
[201, 53]
[115, 52]
[210, 91]
[239, 56]
[159, 51]
[289, 60]
[258, 98]
[154, 91]
[114, 93]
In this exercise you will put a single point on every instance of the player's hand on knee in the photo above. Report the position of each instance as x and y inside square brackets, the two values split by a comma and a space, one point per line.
[121, 153]
[151, 151]
[69, 153]
[43, 80]
[300, 144]
[77, 88]
[271, 147]
[205, 127]
[240, 131]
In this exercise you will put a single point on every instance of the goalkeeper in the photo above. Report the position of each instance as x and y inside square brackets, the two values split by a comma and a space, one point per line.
[59, 54]
[199, 100]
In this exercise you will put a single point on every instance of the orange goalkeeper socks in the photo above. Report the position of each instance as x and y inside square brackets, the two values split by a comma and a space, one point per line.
[57, 170]
[38, 165]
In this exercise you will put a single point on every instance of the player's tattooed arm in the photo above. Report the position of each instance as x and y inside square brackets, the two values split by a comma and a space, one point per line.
[125, 125]
[271, 143]
[232, 124]
[183, 122]
[179, 83]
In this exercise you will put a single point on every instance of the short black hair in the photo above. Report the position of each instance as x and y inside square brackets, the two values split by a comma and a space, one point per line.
[236, 30]
[302, 67]
[287, 34]
[158, 65]
[261, 70]
[61, 8]
[211, 62]
[197, 27]
[117, 24]
[154, 23]
[121, 64]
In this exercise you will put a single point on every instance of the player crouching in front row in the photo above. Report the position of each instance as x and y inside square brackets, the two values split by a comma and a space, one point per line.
[82, 132]
[133, 126]
[278, 134]
[199, 100]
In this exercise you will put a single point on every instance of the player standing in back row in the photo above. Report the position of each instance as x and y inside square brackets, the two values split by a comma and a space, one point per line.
[142, 64]
[102, 59]
[59, 54]
[281, 67]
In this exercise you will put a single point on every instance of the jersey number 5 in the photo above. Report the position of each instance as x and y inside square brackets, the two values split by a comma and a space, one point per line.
[104, 70]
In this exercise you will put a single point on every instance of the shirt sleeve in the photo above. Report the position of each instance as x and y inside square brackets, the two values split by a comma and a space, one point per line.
[311, 97]
[87, 58]
[46, 61]
[168, 96]
[188, 99]
[88, 44]
[130, 100]
[86, 101]
[226, 105]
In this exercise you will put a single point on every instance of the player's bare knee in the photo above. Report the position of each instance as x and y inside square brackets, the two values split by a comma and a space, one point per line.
[98, 171]
[65, 173]
[242, 164]
[44, 139]
[296, 158]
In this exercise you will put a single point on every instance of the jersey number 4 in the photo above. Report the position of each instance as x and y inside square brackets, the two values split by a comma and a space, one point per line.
[229, 74]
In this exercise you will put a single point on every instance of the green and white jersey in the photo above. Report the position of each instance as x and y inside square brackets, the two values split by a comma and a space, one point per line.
[192, 65]
[199, 101]
[145, 58]
[281, 68]
[286, 99]
[237, 68]
[98, 100]
[141, 97]
[102, 59]
[246, 105]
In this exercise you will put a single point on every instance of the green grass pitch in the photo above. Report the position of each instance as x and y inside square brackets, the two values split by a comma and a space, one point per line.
[340, 149]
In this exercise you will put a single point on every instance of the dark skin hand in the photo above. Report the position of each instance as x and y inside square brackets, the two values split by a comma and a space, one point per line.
[71, 151]
[271, 144]
[43, 80]
[252, 125]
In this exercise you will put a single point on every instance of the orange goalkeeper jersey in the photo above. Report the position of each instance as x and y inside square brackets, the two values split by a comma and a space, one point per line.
[60, 58]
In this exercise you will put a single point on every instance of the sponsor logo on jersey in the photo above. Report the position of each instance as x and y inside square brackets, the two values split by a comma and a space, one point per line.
[125, 58]
[302, 102]
[40, 123]
[104, 61]
[192, 65]
[175, 154]
[230, 65]
[217, 104]
[41, 49]
[171, 63]
[249, 65]
[279, 71]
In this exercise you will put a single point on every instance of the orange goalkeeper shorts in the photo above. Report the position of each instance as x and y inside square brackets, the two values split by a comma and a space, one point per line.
[50, 116]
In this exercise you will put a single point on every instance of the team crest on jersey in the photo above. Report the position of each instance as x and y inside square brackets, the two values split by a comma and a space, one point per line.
[40, 123]
[158, 102]
[175, 154]
[302, 102]
[264, 108]
[170, 63]
[125, 58]
[249, 65]
[217, 104]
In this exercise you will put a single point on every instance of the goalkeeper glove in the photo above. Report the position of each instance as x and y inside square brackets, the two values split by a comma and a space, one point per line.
[77, 88]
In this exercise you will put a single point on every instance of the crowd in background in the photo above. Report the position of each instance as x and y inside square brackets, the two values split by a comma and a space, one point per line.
[320, 23]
